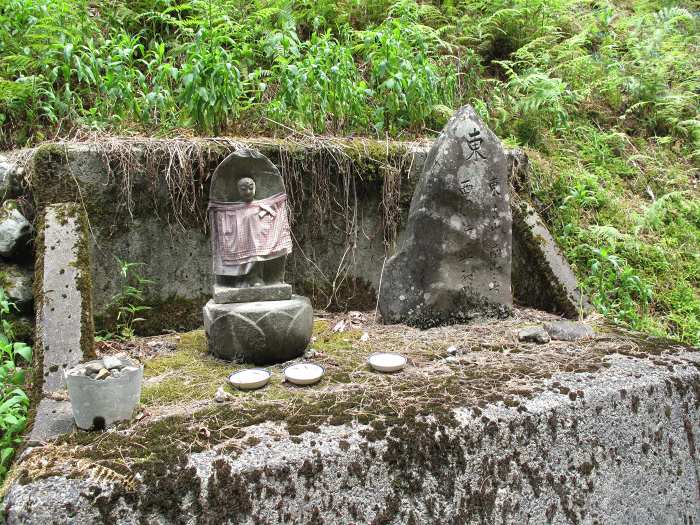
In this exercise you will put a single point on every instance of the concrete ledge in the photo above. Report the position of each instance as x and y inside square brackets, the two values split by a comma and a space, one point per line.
[270, 292]
[613, 444]
[348, 200]
[64, 323]
[542, 276]
[64, 314]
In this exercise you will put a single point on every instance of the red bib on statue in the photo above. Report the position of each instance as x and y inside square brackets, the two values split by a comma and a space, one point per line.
[254, 231]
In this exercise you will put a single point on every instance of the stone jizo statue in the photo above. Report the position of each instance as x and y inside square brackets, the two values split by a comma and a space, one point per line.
[253, 315]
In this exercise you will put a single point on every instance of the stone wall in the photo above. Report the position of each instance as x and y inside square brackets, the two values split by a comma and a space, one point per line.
[157, 218]
[16, 232]
[146, 199]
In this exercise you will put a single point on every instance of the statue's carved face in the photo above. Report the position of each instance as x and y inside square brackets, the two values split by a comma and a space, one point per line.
[246, 189]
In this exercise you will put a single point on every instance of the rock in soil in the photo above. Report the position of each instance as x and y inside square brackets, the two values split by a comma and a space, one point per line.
[15, 230]
[534, 334]
[568, 330]
[94, 368]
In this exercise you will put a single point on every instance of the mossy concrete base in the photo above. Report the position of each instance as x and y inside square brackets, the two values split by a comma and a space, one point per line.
[491, 431]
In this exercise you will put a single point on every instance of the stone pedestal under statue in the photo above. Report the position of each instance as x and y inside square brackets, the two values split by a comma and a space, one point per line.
[253, 316]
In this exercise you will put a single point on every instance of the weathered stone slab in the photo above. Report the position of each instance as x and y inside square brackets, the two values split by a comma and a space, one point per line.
[52, 419]
[614, 446]
[569, 330]
[65, 328]
[270, 292]
[542, 277]
[262, 332]
[454, 262]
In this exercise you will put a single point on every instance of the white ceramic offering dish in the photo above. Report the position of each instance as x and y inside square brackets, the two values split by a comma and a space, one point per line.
[250, 379]
[387, 361]
[304, 373]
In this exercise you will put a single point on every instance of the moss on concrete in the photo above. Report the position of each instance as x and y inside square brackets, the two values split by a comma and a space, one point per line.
[84, 282]
[188, 374]
[36, 375]
[191, 374]
[49, 182]
[392, 406]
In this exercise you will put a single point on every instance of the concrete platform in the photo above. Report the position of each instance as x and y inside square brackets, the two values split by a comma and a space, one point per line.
[596, 431]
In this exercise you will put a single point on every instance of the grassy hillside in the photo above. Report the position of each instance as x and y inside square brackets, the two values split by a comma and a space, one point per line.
[604, 96]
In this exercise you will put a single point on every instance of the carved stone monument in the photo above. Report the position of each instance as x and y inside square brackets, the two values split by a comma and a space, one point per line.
[454, 262]
[253, 316]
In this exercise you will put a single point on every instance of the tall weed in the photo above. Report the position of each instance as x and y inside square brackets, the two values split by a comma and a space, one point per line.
[320, 87]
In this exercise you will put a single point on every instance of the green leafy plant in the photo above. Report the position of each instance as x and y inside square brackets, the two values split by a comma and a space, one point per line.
[406, 80]
[320, 88]
[214, 91]
[616, 290]
[128, 302]
[14, 402]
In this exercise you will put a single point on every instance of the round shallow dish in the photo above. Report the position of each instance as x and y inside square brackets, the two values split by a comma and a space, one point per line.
[387, 361]
[304, 373]
[250, 379]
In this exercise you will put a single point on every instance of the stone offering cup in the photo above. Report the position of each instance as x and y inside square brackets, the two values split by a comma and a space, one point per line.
[303, 374]
[250, 378]
[100, 400]
[387, 362]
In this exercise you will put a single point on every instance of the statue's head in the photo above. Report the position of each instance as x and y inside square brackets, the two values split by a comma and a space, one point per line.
[246, 189]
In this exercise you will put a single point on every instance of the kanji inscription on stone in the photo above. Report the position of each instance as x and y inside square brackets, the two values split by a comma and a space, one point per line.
[455, 261]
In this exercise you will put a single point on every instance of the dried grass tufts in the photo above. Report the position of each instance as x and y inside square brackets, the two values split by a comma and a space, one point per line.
[184, 164]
